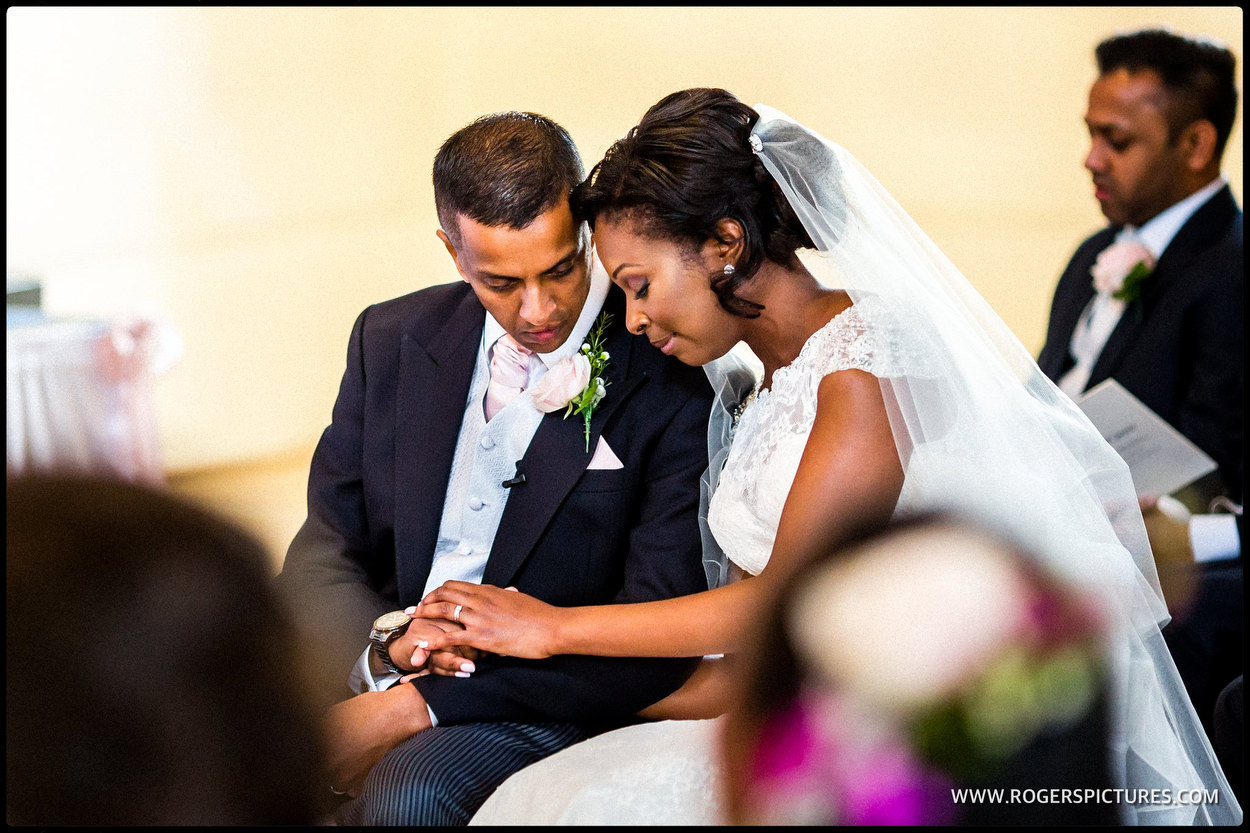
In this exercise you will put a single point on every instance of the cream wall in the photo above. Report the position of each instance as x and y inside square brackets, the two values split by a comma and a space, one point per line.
[257, 176]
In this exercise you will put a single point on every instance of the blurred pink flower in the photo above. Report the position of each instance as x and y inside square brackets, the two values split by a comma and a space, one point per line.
[1116, 262]
[823, 761]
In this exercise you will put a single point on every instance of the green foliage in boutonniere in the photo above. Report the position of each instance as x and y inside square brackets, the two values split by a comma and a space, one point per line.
[1134, 281]
[576, 383]
[1121, 270]
[585, 402]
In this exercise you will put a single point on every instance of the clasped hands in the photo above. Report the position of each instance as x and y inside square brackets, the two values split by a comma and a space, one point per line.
[496, 620]
[360, 730]
[448, 630]
[413, 654]
[457, 622]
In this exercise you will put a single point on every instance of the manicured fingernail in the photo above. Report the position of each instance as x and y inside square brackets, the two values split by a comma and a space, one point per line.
[410, 609]
[421, 643]
[468, 666]
[462, 674]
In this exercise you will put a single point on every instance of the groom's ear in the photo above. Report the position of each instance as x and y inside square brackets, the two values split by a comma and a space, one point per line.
[1197, 143]
[451, 250]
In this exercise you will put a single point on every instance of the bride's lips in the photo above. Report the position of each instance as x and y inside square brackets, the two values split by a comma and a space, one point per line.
[665, 345]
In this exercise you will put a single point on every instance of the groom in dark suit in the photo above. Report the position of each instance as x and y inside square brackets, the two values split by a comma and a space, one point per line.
[1159, 116]
[437, 465]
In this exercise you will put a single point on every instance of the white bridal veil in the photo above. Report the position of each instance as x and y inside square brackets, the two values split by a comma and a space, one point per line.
[980, 429]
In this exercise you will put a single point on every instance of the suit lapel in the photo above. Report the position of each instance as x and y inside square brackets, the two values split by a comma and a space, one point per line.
[557, 456]
[1118, 342]
[435, 372]
[1207, 223]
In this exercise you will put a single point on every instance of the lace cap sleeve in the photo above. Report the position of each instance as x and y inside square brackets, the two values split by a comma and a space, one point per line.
[884, 338]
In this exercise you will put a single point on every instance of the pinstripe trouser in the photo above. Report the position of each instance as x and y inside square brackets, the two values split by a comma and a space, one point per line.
[442, 776]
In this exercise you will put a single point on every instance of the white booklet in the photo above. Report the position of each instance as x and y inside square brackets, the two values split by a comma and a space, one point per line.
[1160, 458]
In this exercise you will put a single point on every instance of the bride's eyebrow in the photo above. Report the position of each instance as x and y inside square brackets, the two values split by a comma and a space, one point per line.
[617, 271]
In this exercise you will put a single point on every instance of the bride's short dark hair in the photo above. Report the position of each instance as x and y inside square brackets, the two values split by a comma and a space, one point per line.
[685, 166]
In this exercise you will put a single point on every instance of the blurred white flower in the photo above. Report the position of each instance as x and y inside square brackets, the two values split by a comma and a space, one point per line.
[903, 626]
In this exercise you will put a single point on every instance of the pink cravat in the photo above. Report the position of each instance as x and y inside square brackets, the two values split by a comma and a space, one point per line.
[508, 374]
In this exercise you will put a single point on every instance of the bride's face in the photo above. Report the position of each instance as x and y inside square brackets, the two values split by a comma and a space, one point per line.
[668, 293]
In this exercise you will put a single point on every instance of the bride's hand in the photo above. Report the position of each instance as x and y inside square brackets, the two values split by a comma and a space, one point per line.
[504, 622]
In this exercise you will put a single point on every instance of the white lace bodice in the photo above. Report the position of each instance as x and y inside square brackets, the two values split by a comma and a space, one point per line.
[745, 510]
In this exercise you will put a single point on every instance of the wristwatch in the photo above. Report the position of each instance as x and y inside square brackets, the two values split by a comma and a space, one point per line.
[386, 629]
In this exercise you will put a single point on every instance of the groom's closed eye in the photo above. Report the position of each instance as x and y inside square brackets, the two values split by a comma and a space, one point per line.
[562, 269]
[496, 283]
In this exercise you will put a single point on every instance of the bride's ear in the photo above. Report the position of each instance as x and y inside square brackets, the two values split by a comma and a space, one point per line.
[726, 246]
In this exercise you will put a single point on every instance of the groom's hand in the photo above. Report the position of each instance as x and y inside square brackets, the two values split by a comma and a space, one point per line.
[409, 652]
[359, 731]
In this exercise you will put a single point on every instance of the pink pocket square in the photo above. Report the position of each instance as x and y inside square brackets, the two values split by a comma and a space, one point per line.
[604, 458]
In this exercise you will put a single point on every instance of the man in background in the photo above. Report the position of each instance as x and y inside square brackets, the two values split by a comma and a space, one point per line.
[1155, 301]
[1159, 116]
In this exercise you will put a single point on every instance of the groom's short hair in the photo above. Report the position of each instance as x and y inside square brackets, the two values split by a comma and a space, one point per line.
[504, 169]
[1198, 73]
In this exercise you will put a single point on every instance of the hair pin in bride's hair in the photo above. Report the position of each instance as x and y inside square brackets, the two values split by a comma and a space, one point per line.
[757, 144]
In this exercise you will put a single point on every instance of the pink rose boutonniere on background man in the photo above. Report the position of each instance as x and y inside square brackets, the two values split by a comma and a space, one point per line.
[576, 383]
[1121, 269]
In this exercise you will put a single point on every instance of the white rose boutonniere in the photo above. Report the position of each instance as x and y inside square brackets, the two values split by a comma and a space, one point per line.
[1121, 269]
[576, 383]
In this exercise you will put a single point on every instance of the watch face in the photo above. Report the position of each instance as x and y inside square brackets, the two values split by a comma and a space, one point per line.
[389, 621]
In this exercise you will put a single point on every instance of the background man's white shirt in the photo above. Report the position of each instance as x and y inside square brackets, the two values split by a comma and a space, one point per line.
[1103, 312]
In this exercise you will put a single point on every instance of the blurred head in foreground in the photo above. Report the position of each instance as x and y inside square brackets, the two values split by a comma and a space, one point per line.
[152, 677]
[922, 658]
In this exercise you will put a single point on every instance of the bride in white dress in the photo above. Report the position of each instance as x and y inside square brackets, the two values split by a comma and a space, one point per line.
[888, 386]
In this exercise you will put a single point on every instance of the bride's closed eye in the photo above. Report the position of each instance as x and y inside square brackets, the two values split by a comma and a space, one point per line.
[636, 285]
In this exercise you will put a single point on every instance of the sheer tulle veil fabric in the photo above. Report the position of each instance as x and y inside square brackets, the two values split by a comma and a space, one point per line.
[733, 376]
[981, 430]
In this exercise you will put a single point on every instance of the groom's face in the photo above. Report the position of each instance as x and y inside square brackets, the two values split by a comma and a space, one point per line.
[533, 280]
